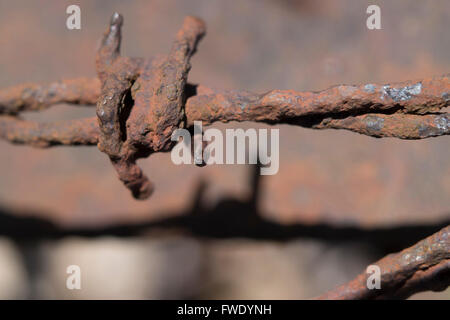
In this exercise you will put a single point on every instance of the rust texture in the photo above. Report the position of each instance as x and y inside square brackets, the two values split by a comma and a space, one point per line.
[141, 101]
[34, 97]
[424, 266]
[70, 132]
[409, 110]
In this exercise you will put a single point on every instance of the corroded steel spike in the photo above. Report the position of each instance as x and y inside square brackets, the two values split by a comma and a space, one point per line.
[141, 101]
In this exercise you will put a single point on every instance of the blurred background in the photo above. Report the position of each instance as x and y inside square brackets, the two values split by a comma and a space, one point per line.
[339, 201]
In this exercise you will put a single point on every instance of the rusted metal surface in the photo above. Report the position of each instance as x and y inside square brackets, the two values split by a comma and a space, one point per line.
[386, 182]
[73, 132]
[35, 97]
[278, 106]
[210, 106]
[352, 108]
[142, 101]
[400, 110]
[403, 126]
[422, 267]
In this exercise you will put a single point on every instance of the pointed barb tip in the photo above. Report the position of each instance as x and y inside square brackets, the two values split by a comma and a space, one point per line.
[116, 19]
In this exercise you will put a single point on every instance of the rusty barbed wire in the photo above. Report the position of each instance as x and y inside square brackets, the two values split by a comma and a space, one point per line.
[141, 101]
[423, 267]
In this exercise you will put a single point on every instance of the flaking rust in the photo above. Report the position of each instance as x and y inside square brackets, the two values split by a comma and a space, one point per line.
[401, 94]
[140, 102]
[33, 97]
[404, 126]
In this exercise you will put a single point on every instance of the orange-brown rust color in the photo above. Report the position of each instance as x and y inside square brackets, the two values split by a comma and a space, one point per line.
[74, 132]
[424, 266]
[34, 97]
[140, 102]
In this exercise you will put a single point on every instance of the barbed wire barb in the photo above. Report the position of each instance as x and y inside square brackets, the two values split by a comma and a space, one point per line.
[140, 102]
